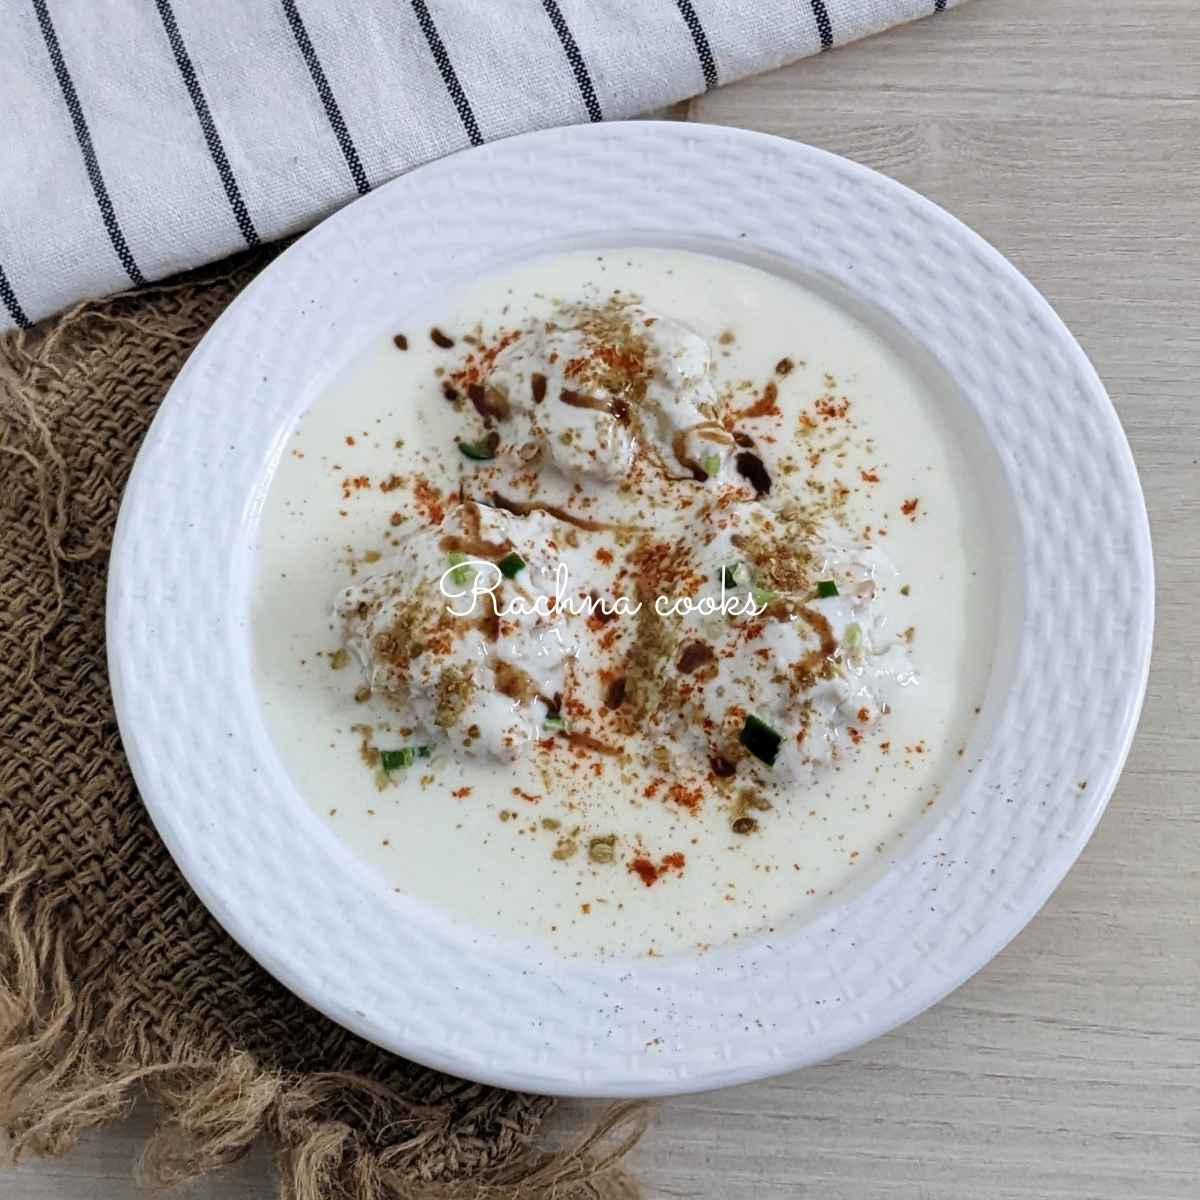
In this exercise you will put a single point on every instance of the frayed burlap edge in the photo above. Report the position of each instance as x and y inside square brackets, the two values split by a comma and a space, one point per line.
[54, 1087]
[67, 1062]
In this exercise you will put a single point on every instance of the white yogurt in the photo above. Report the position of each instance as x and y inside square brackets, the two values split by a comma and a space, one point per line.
[506, 846]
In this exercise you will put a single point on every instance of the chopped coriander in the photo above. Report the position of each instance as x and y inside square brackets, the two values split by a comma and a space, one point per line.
[710, 464]
[510, 564]
[728, 575]
[760, 739]
[424, 751]
[461, 574]
[393, 760]
[826, 588]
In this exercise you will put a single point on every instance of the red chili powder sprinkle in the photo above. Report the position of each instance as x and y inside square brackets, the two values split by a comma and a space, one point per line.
[354, 485]
[832, 409]
[645, 870]
[689, 799]
[429, 500]
[764, 406]
[909, 508]
[649, 874]
[476, 366]
[618, 361]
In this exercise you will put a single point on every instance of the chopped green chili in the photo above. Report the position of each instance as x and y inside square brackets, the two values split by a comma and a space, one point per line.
[760, 739]
[483, 450]
[826, 588]
[393, 760]
[510, 564]
[710, 464]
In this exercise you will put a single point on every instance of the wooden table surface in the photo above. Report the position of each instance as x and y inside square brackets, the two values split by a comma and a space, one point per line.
[1067, 133]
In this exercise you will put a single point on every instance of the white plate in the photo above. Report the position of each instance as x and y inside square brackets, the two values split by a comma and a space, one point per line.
[1070, 668]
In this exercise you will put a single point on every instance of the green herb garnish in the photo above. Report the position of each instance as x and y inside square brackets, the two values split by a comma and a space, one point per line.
[826, 588]
[728, 575]
[553, 720]
[761, 740]
[461, 574]
[710, 464]
[483, 450]
[394, 760]
[510, 564]
[764, 596]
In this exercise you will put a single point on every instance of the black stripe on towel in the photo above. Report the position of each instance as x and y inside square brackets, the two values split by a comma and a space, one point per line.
[449, 78]
[207, 125]
[707, 63]
[84, 138]
[571, 50]
[824, 24]
[325, 92]
[12, 303]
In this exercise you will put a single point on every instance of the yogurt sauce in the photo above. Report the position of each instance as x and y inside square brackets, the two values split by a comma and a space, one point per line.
[505, 845]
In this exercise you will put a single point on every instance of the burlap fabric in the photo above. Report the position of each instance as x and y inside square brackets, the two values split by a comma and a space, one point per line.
[114, 981]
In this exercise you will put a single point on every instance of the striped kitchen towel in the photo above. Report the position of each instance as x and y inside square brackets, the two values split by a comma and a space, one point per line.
[142, 137]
